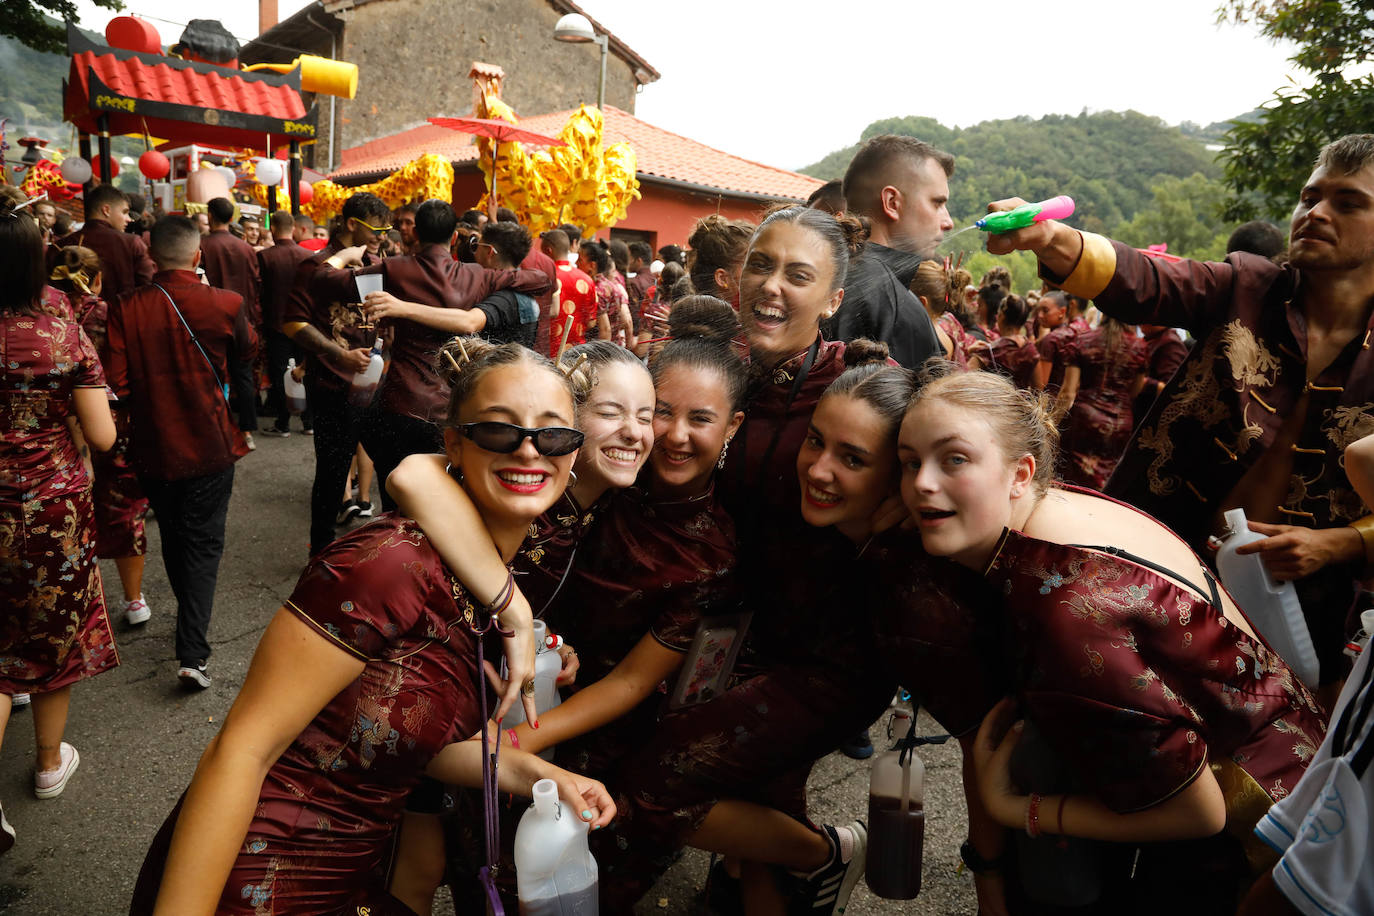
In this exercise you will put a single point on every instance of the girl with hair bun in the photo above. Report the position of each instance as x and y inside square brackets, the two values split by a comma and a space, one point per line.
[120, 506]
[54, 627]
[718, 246]
[933, 284]
[659, 556]
[807, 685]
[1013, 353]
[378, 630]
[612, 302]
[1150, 718]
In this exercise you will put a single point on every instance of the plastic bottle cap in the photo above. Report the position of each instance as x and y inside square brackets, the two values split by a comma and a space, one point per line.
[1235, 521]
[545, 795]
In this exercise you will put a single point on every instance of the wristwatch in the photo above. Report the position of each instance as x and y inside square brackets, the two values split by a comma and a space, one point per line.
[976, 863]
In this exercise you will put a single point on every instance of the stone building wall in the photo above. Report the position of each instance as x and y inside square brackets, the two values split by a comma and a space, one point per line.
[413, 58]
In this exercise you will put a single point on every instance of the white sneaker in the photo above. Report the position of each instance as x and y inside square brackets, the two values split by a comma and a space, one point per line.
[136, 612]
[20, 699]
[50, 783]
[6, 833]
[194, 676]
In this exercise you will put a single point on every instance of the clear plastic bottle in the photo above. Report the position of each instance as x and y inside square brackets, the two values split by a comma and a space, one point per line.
[896, 819]
[555, 874]
[547, 665]
[295, 391]
[365, 383]
[1272, 607]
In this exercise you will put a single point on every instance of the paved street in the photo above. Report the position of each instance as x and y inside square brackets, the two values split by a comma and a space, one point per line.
[140, 736]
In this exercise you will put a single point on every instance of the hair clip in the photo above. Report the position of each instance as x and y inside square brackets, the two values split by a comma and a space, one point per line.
[572, 370]
[462, 349]
[448, 355]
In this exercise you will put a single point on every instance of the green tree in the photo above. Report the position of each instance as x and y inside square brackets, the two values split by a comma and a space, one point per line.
[28, 21]
[1185, 214]
[1266, 161]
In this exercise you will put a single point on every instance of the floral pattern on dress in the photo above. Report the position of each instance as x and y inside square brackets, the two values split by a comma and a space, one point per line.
[54, 630]
[1101, 670]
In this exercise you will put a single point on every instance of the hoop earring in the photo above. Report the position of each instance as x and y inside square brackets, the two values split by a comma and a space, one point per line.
[455, 473]
[572, 478]
[724, 449]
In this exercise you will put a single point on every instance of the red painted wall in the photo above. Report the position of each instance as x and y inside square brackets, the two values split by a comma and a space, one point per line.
[667, 213]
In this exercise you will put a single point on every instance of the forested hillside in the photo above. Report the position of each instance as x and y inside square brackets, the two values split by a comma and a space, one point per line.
[31, 87]
[1108, 162]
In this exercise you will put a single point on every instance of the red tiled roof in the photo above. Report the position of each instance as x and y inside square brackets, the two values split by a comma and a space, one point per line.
[661, 154]
[179, 98]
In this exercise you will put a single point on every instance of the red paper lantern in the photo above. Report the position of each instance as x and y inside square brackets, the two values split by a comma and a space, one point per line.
[307, 192]
[95, 168]
[154, 165]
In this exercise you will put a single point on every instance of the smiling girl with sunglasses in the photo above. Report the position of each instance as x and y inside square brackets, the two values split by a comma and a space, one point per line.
[377, 631]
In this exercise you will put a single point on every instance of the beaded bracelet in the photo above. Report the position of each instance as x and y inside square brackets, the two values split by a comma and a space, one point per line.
[1033, 817]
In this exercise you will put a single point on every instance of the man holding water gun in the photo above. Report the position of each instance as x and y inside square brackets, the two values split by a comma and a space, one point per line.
[1281, 381]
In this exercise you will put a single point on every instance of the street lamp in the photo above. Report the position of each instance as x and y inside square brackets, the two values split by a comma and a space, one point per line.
[575, 28]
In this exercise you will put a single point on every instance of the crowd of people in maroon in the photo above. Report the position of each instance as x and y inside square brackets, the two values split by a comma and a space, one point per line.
[756, 489]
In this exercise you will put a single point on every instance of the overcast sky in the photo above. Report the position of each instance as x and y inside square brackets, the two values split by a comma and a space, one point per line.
[786, 84]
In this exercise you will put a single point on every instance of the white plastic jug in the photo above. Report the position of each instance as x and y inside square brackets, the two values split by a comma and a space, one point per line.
[1272, 607]
[295, 391]
[555, 874]
[365, 383]
[547, 665]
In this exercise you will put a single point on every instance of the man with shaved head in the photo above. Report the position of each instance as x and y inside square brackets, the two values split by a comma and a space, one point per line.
[169, 347]
[901, 186]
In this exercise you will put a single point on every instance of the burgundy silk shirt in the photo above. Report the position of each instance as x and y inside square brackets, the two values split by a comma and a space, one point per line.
[432, 277]
[231, 263]
[180, 421]
[277, 268]
[124, 261]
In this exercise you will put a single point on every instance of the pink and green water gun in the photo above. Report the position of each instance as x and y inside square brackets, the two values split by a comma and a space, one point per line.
[1027, 215]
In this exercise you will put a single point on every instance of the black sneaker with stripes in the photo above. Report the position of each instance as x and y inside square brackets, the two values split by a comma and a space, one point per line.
[827, 889]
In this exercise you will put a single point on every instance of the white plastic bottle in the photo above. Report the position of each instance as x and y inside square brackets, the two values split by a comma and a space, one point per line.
[295, 391]
[1272, 607]
[365, 383]
[555, 874]
[547, 665]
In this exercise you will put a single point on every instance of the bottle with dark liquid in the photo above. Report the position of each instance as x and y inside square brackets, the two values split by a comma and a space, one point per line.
[896, 822]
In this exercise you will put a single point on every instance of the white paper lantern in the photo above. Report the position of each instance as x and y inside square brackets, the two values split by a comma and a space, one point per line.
[76, 170]
[230, 177]
[269, 172]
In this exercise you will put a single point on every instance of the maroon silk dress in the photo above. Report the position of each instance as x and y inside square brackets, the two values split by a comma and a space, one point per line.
[1016, 360]
[120, 506]
[321, 835]
[646, 566]
[53, 627]
[1098, 426]
[807, 684]
[948, 323]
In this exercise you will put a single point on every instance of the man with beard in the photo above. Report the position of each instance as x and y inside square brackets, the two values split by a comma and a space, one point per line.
[1280, 382]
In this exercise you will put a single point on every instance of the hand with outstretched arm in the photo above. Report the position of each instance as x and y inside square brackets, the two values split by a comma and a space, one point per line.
[425, 492]
[629, 683]
[460, 764]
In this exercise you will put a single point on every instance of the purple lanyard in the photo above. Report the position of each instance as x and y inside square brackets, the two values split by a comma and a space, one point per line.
[487, 873]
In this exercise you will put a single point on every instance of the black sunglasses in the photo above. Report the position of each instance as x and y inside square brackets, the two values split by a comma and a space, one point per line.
[505, 438]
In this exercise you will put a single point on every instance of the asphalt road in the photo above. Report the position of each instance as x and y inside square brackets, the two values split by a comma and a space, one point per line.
[140, 735]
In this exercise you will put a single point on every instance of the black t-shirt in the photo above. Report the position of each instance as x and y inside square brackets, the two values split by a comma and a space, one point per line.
[877, 305]
[508, 319]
